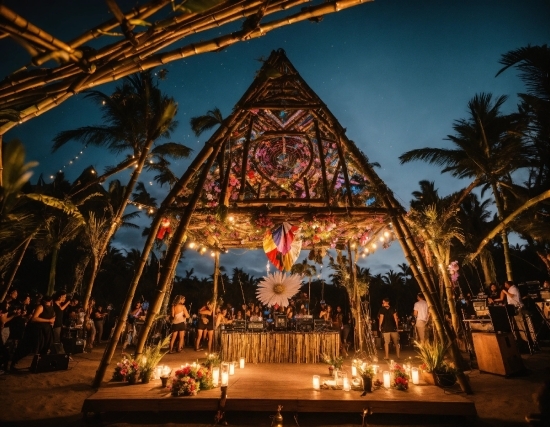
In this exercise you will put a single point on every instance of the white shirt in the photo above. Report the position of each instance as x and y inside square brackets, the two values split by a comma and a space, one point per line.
[421, 308]
[516, 298]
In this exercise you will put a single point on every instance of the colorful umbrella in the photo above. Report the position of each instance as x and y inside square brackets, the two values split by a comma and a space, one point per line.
[282, 245]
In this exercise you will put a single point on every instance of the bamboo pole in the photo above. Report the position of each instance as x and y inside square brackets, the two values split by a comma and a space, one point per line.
[322, 159]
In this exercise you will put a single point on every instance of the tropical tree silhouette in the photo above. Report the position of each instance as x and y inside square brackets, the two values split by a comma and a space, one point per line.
[136, 115]
[488, 147]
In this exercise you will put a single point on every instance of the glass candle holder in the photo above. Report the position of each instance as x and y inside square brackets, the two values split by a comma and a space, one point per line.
[346, 386]
[224, 374]
[353, 370]
[386, 376]
[316, 382]
[241, 363]
[415, 376]
[215, 375]
[232, 368]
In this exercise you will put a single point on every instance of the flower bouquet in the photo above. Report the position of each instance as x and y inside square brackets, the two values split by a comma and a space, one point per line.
[400, 378]
[189, 380]
[150, 358]
[126, 370]
[213, 359]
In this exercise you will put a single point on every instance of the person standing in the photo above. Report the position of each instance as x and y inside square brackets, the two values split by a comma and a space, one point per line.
[179, 317]
[205, 326]
[388, 324]
[422, 315]
[99, 321]
[59, 306]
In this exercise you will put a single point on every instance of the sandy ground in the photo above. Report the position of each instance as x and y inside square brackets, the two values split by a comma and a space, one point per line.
[55, 399]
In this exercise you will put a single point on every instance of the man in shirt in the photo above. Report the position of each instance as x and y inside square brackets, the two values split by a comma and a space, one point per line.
[421, 313]
[511, 294]
[388, 323]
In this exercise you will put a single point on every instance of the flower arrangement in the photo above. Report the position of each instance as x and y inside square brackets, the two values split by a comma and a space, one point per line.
[365, 370]
[125, 369]
[213, 359]
[335, 362]
[432, 355]
[189, 380]
[400, 378]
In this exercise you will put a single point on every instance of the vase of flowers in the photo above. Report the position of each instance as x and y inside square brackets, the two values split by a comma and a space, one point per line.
[126, 370]
[400, 378]
[367, 374]
[333, 363]
[189, 380]
[213, 359]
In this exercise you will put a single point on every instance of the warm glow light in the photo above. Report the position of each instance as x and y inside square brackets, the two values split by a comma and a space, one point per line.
[373, 245]
[192, 245]
[215, 375]
[225, 374]
[353, 371]
[415, 376]
[212, 254]
[386, 375]
[386, 233]
[382, 238]
[151, 211]
[232, 368]
[353, 245]
[241, 363]
[316, 382]
[231, 219]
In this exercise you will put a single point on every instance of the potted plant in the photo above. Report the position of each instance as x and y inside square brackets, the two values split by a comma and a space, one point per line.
[367, 374]
[213, 359]
[434, 368]
[150, 358]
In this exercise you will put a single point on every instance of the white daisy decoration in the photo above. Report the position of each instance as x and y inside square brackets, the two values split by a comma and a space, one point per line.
[278, 288]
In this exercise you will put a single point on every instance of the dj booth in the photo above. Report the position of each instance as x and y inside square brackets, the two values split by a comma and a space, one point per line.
[279, 346]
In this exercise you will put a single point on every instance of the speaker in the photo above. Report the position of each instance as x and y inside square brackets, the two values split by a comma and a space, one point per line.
[320, 325]
[49, 363]
[501, 316]
[280, 322]
[497, 353]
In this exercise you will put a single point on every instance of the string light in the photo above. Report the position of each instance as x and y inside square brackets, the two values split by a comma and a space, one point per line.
[72, 161]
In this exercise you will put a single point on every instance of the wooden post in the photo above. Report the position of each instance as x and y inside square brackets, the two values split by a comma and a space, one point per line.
[215, 286]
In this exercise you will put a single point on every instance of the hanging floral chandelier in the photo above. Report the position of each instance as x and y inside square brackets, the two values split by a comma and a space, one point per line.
[278, 288]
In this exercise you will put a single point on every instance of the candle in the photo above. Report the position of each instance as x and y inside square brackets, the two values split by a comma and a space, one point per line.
[353, 371]
[165, 371]
[241, 363]
[415, 376]
[345, 381]
[232, 368]
[215, 375]
[316, 382]
[386, 375]
[375, 368]
[225, 374]
[391, 364]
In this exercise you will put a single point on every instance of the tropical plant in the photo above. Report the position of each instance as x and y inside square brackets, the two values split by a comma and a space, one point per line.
[137, 114]
[151, 356]
[488, 148]
[336, 362]
[432, 355]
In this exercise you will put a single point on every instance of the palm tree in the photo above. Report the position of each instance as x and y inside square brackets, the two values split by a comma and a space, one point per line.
[307, 270]
[136, 115]
[488, 148]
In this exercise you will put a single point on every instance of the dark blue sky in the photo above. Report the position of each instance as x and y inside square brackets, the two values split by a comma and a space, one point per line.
[395, 73]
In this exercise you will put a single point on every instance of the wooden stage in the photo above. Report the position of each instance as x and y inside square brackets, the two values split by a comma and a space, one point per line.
[262, 387]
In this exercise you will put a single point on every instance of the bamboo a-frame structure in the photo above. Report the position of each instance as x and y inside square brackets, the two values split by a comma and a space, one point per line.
[280, 156]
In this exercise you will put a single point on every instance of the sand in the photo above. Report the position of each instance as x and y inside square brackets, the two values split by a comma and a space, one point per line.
[55, 399]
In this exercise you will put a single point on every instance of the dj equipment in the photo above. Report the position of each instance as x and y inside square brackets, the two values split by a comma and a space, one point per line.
[255, 326]
[480, 307]
[49, 363]
[239, 325]
[281, 322]
[497, 353]
[304, 324]
[320, 325]
[544, 308]
[502, 317]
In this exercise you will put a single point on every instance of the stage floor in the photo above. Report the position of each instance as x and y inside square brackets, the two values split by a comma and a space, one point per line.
[262, 387]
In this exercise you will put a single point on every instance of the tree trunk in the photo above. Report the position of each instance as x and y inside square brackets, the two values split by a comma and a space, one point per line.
[53, 265]
[207, 150]
[488, 275]
[215, 284]
[9, 281]
[503, 233]
[174, 251]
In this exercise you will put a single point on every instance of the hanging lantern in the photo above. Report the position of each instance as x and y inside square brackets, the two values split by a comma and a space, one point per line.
[164, 228]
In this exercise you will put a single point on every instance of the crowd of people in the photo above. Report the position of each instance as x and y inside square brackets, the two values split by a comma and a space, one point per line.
[35, 325]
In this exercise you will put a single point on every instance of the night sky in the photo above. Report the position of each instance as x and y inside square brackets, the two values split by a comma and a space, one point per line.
[395, 73]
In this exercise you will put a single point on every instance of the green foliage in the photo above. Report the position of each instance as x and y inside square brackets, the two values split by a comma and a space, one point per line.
[432, 355]
[16, 172]
[152, 355]
[337, 362]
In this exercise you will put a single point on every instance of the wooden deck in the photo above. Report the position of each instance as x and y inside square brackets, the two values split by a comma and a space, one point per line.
[262, 387]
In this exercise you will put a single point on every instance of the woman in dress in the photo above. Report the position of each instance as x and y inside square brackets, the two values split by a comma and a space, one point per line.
[131, 324]
[221, 319]
[179, 318]
[60, 303]
[205, 326]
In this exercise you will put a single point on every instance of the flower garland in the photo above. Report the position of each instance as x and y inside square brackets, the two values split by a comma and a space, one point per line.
[189, 380]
